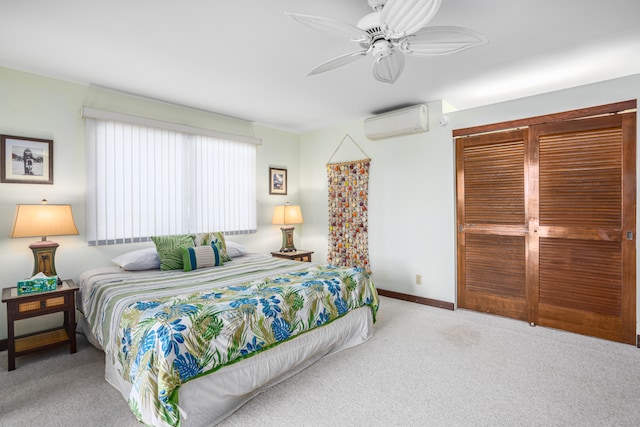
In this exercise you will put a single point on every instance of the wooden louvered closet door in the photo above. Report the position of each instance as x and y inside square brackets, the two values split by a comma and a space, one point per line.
[546, 221]
[492, 223]
[586, 208]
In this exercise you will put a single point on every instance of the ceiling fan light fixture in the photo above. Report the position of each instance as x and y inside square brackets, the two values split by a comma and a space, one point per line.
[381, 48]
[388, 68]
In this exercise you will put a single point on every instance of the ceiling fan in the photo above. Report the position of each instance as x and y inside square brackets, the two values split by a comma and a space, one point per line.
[394, 28]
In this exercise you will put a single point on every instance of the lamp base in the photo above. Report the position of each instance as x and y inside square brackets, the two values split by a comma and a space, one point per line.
[44, 253]
[287, 239]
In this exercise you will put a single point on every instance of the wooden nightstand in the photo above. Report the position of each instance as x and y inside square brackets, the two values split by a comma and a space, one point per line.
[37, 304]
[295, 255]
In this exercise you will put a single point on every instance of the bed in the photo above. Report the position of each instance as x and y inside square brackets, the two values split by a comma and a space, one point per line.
[190, 347]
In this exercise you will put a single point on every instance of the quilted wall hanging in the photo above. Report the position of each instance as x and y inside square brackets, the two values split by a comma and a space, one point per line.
[348, 190]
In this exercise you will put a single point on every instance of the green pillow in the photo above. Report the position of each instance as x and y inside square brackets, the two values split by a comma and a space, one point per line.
[200, 257]
[213, 238]
[168, 248]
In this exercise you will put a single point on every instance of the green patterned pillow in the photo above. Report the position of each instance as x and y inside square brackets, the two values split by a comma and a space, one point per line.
[200, 257]
[168, 248]
[213, 238]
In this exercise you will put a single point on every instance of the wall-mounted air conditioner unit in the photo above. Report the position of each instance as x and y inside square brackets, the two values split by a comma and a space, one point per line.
[404, 121]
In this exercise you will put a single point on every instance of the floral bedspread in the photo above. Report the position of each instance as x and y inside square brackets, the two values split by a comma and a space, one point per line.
[163, 342]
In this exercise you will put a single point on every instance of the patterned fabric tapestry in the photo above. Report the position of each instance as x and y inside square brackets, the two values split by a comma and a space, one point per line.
[348, 219]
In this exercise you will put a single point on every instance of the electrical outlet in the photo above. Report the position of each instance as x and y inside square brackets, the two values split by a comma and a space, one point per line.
[418, 279]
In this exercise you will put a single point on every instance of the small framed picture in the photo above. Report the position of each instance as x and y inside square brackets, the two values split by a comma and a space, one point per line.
[277, 181]
[26, 160]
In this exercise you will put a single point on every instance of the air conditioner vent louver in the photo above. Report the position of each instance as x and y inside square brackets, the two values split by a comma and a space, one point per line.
[405, 121]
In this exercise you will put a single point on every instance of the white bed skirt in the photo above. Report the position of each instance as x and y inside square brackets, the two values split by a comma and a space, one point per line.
[207, 400]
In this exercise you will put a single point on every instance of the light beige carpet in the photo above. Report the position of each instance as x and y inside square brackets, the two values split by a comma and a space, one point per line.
[424, 367]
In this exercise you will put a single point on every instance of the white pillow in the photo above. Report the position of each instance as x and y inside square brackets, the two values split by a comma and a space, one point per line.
[235, 249]
[142, 259]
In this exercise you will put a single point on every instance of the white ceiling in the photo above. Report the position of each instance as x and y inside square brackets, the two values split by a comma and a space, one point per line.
[245, 58]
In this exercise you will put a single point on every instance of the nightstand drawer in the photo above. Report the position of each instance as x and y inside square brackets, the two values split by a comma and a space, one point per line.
[41, 304]
[54, 302]
[30, 306]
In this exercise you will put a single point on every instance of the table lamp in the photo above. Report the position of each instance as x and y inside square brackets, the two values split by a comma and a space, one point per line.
[41, 221]
[286, 215]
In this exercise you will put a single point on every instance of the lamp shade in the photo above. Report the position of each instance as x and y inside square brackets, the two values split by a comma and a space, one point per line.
[43, 220]
[287, 214]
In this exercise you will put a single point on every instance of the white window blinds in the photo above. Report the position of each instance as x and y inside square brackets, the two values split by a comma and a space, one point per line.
[147, 180]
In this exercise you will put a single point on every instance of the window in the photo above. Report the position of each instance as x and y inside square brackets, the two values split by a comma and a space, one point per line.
[149, 178]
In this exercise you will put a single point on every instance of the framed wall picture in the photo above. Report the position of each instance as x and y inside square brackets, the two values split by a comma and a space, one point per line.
[26, 160]
[277, 181]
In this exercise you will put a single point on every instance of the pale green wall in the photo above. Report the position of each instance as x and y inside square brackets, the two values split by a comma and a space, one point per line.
[411, 203]
[41, 107]
[412, 186]
[412, 182]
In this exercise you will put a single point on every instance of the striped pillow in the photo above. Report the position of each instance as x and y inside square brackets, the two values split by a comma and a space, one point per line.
[168, 248]
[200, 257]
[213, 238]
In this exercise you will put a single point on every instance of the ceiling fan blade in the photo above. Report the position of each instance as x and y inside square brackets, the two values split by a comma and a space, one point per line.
[337, 62]
[388, 68]
[404, 17]
[331, 26]
[434, 41]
